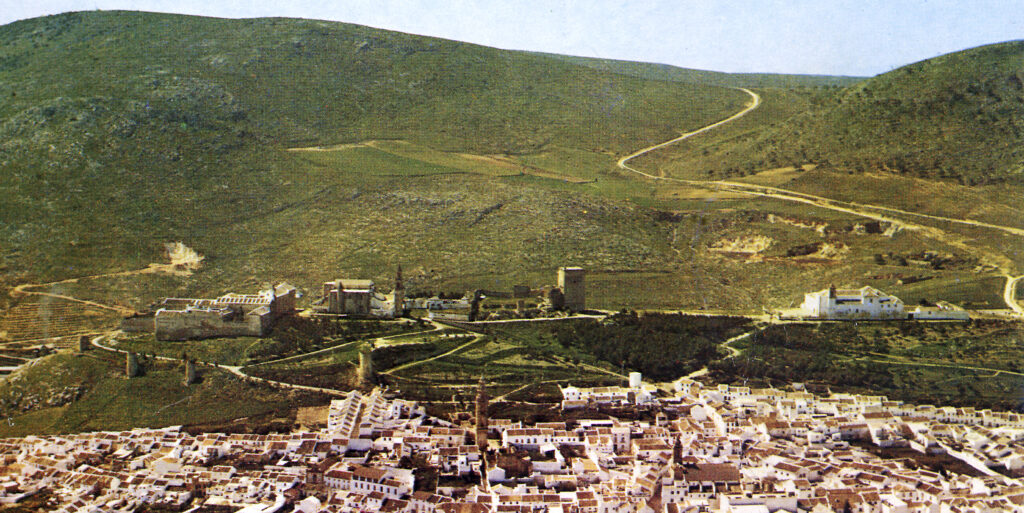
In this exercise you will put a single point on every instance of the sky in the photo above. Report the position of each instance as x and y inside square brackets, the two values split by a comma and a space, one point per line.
[828, 37]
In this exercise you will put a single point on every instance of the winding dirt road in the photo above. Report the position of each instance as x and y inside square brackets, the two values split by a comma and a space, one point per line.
[233, 369]
[476, 339]
[754, 103]
[733, 353]
[874, 212]
[25, 289]
[1010, 294]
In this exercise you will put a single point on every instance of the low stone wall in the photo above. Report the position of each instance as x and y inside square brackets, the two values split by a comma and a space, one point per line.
[138, 324]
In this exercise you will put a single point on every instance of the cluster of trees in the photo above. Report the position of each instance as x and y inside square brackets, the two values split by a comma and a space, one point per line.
[296, 335]
[788, 353]
[336, 375]
[662, 346]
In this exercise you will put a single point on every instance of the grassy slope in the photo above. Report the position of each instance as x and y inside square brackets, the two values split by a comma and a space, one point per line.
[880, 358]
[902, 139]
[125, 130]
[187, 145]
[107, 400]
[955, 117]
[186, 142]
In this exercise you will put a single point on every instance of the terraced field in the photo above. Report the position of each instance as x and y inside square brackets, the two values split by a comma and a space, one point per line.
[46, 318]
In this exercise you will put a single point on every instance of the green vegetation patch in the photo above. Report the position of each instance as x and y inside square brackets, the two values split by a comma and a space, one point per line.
[954, 363]
[123, 131]
[290, 337]
[365, 159]
[223, 351]
[954, 118]
[661, 346]
[74, 393]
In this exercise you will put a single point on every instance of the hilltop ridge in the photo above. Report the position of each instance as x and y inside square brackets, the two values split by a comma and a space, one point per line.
[657, 71]
[957, 117]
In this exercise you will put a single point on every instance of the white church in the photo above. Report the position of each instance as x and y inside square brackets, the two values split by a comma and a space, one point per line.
[863, 303]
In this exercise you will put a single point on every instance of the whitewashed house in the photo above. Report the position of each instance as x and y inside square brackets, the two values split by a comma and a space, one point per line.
[863, 303]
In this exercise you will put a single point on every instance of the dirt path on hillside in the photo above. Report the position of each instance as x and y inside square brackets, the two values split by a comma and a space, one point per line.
[376, 341]
[1010, 293]
[733, 353]
[183, 260]
[233, 369]
[404, 366]
[755, 102]
[890, 361]
[875, 212]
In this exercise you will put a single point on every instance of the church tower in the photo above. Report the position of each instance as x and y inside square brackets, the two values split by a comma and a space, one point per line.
[481, 416]
[398, 300]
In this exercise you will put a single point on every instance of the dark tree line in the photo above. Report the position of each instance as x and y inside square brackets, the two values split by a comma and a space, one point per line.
[662, 346]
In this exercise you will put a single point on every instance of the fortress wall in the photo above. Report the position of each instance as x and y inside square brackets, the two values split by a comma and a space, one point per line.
[174, 325]
[138, 324]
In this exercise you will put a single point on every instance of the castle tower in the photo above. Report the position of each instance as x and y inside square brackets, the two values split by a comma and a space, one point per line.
[84, 344]
[398, 303]
[190, 372]
[481, 415]
[474, 306]
[366, 376]
[131, 364]
[570, 280]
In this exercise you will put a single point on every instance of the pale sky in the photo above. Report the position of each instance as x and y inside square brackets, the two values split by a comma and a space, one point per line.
[833, 37]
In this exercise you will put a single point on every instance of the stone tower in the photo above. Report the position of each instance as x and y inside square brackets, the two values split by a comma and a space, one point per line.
[481, 415]
[554, 299]
[366, 377]
[190, 372]
[131, 364]
[398, 305]
[474, 305]
[570, 280]
[84, 344]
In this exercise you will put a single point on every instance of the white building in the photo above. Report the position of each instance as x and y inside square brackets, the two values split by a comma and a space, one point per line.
[941, 311]
[863, 303]
[231, 315]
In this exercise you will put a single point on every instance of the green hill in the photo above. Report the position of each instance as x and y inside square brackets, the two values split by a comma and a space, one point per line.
[957, 117]
[656, 71]
[303, 81]
[473, 167]
[120, 131]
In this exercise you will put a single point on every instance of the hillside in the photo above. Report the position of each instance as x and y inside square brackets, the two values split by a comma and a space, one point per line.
[958, 117]
[304, 151]
[668, 72]
[120, 131]
[319, 82]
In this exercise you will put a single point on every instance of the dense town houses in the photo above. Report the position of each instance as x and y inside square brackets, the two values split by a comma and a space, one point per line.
[695, 448]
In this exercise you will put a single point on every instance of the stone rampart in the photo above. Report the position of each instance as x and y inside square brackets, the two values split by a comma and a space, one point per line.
[179, 325]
